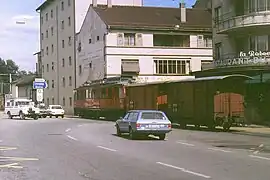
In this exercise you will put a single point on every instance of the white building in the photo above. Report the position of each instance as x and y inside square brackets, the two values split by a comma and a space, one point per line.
[59, 22]
[149, 43]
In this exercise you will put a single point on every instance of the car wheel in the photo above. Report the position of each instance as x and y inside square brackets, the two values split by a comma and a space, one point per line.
[22, 116]
[62, 116]
[44, 116]
[35, 117]
[56, 116]
[118, 132]
[50, 116]
[162, 136]
[131, 134]
[9, 115]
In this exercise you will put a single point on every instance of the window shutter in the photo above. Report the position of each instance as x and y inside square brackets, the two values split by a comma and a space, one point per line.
[139, 39]
[120, 39]
[200, 41]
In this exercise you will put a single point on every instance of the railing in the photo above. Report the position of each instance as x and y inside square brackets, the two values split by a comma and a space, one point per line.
[252, 19]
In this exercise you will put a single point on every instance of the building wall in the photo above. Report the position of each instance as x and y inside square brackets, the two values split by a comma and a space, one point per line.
[90, 60]
[22, 91]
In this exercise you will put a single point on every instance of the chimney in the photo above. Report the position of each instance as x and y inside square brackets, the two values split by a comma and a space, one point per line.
[183, 15]
[109, 3]
[94, 3]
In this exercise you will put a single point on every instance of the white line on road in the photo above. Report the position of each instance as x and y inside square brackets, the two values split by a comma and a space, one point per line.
[184, 170]
[183, 143]
[73, 138]
[217, 149]
[67, 130]
[80, 125]
[109, 149]
[259, 157]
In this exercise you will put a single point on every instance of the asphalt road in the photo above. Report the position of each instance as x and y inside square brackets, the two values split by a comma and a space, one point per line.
[76, 149]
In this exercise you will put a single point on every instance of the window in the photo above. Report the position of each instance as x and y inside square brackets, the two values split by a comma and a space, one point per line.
[42, 36]
[52, 83]
[52, 100]
[43, 68]
[70, 81]
[97, 38]
[259, 43]
[48, 83]
[63, 62]
[171, 40]
[90, 41]
[69, 21]
[41, 20]
[70, 101]
[52, 48]
[152, 115]
[47, 34]
[69, 40]
[51, 13]
[256, 5]
[62, 24]
[47, 50]
[48, 101]
[180, 67]
[90, 65]
[69, 2]
[80, 69]
[52, 31]
[62, 6]
[63, 43]
[46, 16]
[218, 51]
[217, 14]
[52, 66]
[129, 39]
[69, 60]
[64, 82]
[64, 101]
[207, 41]
[42, 52]
[47, 67]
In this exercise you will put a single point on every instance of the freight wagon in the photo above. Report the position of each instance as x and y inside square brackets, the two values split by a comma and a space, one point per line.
[201, 102]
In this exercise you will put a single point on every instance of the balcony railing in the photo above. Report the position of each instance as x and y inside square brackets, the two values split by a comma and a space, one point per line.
[225, 25]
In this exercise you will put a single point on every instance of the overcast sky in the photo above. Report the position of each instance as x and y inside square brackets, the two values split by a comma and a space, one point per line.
[20, 41]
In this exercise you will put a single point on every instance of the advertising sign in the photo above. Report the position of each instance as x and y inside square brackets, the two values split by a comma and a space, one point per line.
[246, 59]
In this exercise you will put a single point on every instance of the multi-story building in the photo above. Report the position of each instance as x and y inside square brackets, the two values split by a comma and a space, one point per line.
[147, 43]
[59, 22]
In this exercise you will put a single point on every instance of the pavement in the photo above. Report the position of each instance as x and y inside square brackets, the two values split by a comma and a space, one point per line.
[77, 149]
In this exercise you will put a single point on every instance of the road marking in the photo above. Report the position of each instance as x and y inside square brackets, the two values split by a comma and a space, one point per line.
[13, 165]
[183, 143]
[73, 138]
[109, 149]
[259, 157]
[17, 158]
[67, 130]
[184, 170]
[80, 125]
[7, 148]
[221, 150]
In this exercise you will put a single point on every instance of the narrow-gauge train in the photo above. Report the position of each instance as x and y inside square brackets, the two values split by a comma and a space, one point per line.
[216, 101]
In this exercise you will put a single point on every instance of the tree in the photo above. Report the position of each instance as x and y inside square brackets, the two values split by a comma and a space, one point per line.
[10, 67]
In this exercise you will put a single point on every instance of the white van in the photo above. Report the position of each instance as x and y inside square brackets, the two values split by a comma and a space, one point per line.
[21, 107]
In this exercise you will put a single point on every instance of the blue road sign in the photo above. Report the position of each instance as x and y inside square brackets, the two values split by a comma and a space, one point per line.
[40, 85]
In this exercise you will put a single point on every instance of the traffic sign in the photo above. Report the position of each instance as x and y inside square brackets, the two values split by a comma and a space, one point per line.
[40, 83]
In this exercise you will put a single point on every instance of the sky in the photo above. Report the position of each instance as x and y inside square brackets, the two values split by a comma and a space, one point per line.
[20, 41]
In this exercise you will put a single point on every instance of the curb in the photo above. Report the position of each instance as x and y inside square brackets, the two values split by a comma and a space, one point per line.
[252, 134]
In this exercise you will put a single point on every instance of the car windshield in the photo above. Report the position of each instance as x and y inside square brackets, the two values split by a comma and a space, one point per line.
[23, 103]
[56, 107]
[152, 115]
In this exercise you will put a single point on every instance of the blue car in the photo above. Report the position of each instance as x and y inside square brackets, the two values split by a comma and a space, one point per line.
[144, 123]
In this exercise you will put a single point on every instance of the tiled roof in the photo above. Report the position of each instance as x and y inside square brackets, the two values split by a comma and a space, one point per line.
[154, 17]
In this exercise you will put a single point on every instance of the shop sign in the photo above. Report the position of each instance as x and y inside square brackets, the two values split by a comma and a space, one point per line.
[246, 59]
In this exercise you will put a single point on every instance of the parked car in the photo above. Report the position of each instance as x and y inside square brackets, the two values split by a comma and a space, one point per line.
[144, 123]
[22, 108]
[56, 110]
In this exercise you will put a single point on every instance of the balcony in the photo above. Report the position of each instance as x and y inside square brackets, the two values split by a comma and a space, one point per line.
[249, 22]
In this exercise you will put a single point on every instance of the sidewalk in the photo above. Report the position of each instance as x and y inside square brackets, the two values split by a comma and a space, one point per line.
[252, 130]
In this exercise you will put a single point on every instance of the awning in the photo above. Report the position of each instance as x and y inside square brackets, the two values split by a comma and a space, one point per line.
[131, 66]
